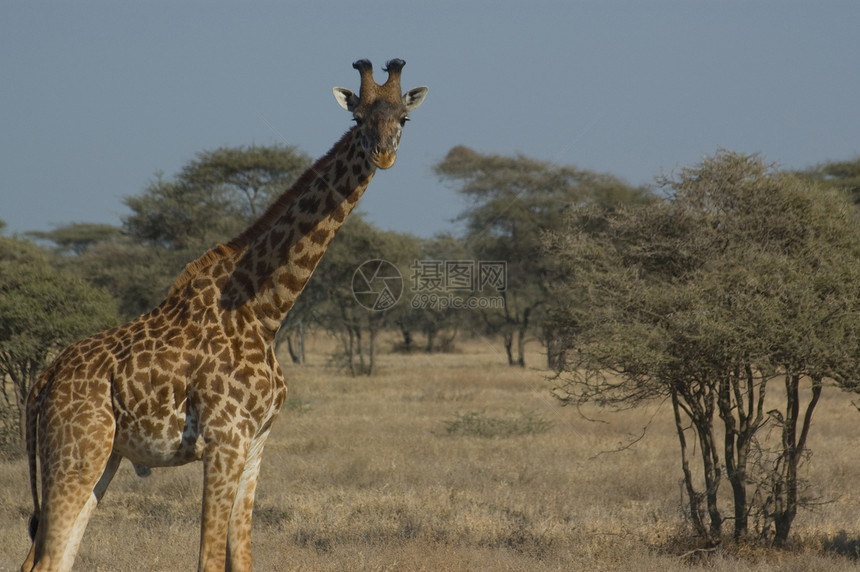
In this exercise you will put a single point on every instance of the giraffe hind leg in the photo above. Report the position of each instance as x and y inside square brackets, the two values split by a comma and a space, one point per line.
[65, 514]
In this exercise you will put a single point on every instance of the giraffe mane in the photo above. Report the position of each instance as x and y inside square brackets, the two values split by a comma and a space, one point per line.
[262, 224]
[194, 267]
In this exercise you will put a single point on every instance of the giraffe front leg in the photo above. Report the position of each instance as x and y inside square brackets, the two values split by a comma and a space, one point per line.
[222, 472]
[239, 535]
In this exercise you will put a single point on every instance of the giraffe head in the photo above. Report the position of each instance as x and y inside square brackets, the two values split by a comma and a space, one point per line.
[380, 111]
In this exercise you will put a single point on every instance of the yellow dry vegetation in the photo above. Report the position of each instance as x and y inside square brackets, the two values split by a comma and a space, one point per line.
[367, 474]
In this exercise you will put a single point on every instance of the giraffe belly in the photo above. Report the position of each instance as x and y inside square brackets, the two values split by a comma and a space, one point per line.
[171, 442]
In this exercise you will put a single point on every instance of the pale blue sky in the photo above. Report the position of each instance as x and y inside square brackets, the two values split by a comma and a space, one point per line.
[96, 96]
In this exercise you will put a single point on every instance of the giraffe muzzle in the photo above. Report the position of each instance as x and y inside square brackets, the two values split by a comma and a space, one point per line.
[383, 159]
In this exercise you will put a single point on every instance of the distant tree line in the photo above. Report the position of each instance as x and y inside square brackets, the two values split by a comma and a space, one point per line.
[710, 291]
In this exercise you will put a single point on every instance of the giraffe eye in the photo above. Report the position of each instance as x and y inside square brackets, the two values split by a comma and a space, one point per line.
[358, 119]
[403, 120]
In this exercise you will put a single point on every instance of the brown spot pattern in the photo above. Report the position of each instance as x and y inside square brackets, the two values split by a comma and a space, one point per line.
[196, 378]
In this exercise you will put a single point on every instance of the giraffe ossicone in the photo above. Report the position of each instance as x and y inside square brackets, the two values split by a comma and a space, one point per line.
[197, 378]
[381, 138]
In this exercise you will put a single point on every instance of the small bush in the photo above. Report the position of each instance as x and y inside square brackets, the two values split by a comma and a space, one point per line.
[477, 424]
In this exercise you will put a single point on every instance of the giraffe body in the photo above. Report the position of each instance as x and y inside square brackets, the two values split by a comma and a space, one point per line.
[197, 378]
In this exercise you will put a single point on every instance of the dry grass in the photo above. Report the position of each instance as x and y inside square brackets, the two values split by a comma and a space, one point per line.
[365, 474]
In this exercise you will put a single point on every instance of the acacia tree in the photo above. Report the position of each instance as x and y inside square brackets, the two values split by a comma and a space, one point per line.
[334, 298]
[745, 277]
[424, 312]
[213, 197]
[136, 275]
[512, 200]
[76, 238]
[42, 310]
[841, 174]
[174, 220]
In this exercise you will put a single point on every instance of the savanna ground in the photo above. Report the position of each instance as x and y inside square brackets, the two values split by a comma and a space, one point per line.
[454, 462]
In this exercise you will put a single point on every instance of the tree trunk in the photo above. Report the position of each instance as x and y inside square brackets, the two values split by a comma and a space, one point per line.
[431, 337]
[712, 473]
[359, 346]
[742, 414]
[407, 337]
[521, 347]
[296, 344]
[786, 506]
[300, 342]
[793, 448]
[371, 350]
[555, 357]
[508, 338]
[735, 469]
[698, 402]
[447, 343]
[521, 338]
[350, 351]
[694, 499]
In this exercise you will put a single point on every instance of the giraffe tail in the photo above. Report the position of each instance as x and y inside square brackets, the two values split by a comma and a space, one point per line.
[33, 526]
[32, 426]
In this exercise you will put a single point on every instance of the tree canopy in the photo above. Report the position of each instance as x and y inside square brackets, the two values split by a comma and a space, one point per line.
[511, 201]
[174, 220]
[213, 197]
[841, 174]
[76, 238]
[745, 275]
[42, 310]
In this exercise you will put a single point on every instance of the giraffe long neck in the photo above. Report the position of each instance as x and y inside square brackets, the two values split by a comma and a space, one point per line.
[275, 257]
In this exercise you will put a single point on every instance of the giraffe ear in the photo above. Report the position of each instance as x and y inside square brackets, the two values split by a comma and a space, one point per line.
[345, 98]
[414, 97]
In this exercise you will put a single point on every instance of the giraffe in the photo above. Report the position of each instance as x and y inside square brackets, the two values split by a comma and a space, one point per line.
[196, 378]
